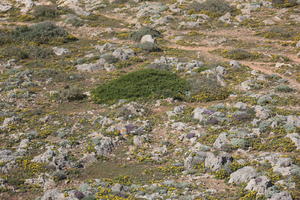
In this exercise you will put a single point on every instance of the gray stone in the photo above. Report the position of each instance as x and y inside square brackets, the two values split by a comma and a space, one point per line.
[217, 162]
[194, 159]
[240, 105]
[104, 146]
[46, 156]
[5, 6]
[53, 194]
[265, 99]
[293, 120]
[295, 137]
[259, 184]
[261, 112]
[226, 18]
[117, 188]
[26, 5]
[234, 64]
[298, 44]
[139, 140]
[89, 67]
[281, 196]
[123, 53]
[60, 51]
[222, 141]
[147, 38]
[243, 175]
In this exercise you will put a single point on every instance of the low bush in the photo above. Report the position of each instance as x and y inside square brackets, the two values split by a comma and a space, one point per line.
[137, 36]
[279, 32]
[23, 52]
[213, 8]
[239, 54]
[71, 94]
[206, 89]
[42, 33]
[75, 21]
[284, 88]
[284, 3]
[45, 12]
[146, 83]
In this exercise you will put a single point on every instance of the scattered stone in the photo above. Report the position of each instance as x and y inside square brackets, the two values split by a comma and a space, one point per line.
[295, 137]
[243, 175]
[259, 184]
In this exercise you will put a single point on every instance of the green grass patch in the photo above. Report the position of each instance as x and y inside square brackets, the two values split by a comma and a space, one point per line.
[146, 83]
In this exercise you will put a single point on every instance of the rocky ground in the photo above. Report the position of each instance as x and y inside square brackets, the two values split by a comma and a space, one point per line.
[235, 134]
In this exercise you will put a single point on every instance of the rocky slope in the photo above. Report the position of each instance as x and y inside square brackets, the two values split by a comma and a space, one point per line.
[228, 128]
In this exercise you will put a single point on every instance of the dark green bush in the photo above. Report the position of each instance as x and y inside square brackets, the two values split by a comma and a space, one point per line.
[45, 12]
[137, 36]
[5, 37]
[206, 89]
[214, 8]
[41, 33]
[146, 83]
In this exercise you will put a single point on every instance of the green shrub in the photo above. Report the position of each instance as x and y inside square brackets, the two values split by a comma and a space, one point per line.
[137, 36]
[146, 83]
[41, 33]
[284, 88]
[239, 54]
[75, 21]
[284, 3]
[213, 8]
[45, 12]
[206, 89]
[23, 52]
[276, 143]
[279, 32]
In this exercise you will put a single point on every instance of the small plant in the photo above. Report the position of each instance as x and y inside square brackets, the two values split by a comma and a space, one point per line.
[221, 174]
[137, 36]
[147, 83]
